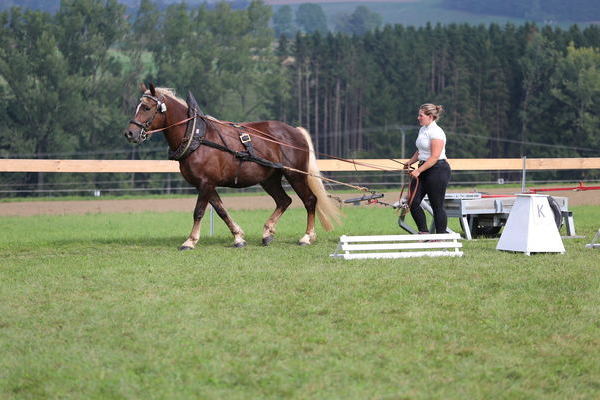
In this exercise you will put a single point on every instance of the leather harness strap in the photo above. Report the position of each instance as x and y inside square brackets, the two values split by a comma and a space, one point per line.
[250, 154]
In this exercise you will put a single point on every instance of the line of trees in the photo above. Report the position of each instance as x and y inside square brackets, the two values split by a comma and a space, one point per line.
[310, 18]
[502, 87]
[68, 81]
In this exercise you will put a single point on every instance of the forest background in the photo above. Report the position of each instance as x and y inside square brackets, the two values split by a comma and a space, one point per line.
[69, 78]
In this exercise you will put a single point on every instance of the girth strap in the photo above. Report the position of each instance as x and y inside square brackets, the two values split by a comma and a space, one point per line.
[243, 155]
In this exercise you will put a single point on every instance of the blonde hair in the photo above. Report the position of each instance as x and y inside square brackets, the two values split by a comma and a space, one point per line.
[431, 109]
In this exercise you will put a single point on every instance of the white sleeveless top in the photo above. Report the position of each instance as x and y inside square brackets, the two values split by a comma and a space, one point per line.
[426, 133]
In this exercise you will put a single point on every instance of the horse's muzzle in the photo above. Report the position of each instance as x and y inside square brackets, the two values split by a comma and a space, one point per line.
[135, 137]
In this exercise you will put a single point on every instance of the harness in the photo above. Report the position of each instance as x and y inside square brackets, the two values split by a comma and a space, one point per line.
[194, 131]
[195, 137]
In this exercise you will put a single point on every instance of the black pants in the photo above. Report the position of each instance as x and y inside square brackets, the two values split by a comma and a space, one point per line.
[433, 183]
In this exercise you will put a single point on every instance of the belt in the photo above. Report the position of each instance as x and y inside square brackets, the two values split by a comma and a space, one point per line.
[442, 161]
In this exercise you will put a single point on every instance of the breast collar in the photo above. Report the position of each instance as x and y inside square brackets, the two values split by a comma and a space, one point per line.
[194, 131]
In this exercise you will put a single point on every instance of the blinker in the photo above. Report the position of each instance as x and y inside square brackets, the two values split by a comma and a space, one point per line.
[162, 107]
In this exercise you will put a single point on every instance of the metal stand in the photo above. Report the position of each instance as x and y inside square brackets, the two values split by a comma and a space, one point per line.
[485, 216]
[212, 220]
[595, 241]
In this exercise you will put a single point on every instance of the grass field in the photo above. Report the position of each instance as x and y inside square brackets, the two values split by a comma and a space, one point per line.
[104, 306]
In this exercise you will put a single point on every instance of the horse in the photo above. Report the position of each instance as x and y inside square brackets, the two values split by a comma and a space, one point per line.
[214, 153]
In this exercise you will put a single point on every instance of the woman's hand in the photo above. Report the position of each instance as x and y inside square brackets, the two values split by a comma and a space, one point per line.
[415, 173]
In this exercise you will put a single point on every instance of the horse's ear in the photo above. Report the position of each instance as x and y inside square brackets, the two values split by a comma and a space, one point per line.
[143, 87]
[152, 89]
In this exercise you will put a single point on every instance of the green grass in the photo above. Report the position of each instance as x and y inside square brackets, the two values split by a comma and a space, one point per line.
[104, 306]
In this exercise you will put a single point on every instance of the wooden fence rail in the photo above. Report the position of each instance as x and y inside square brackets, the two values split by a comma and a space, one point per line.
[457, 164]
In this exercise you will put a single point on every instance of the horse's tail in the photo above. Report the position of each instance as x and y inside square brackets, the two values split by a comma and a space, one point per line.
[327, 210]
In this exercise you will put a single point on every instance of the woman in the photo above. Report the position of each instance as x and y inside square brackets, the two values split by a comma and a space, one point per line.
[433, 172]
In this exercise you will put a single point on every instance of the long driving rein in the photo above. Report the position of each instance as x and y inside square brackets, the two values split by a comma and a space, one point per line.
[161, 107]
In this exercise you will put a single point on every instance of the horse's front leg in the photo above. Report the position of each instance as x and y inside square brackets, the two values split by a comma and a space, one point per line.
[199, 210]
[236, 231]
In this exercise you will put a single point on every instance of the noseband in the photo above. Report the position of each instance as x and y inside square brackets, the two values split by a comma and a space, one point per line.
[160, 107]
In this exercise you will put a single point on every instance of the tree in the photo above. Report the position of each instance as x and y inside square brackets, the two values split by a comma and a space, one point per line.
[283, 22]
[59, 80]
[537, 65]
[222, 55]
[34, 75]
[576, 85]
[311, 18]
[88, 33]
[88, 28]
[361, 21]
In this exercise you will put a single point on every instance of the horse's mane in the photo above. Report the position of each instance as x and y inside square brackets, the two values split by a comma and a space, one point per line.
[169, 93]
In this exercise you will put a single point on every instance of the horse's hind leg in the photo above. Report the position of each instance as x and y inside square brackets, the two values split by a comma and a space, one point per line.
[300, 185]
[236, 231]
[282, 201]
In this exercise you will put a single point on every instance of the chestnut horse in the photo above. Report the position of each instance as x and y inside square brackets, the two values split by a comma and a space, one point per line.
[232, 155]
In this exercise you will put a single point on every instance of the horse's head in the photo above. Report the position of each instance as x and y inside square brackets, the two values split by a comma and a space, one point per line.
[148, 115]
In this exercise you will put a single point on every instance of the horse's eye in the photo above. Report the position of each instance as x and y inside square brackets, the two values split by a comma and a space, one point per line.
[146, 108]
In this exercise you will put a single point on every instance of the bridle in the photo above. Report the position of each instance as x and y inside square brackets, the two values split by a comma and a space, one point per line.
[161, 107]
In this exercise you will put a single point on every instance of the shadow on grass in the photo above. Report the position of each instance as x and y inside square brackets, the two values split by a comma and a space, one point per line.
[173, 242]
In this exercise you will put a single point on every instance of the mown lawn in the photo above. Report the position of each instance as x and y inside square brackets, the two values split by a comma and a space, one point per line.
[105, 306]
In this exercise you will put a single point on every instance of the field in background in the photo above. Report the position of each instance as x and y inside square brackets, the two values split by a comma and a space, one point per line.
[411, 13]
[104, 306]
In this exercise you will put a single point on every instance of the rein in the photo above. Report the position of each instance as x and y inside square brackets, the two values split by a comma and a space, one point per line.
[412, 191]
[172, 125]
[269, 138]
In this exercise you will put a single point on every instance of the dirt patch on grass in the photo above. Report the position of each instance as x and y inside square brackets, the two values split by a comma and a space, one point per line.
[257, 202]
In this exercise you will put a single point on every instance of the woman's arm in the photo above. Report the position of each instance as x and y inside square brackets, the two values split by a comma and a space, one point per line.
[412, 160]
[437, 145]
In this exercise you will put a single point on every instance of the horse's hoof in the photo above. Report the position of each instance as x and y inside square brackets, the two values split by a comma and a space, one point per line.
[239, 245]
[267, 240]
[182, 248]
